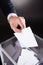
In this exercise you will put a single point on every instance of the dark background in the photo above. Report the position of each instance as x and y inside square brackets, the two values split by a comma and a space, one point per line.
[33, 14]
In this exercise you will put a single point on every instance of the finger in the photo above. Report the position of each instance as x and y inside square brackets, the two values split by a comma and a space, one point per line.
[23, 21]
[21, 24]
[16, 30]
[22, 17]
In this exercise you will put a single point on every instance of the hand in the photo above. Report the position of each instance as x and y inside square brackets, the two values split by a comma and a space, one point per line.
[14, 22]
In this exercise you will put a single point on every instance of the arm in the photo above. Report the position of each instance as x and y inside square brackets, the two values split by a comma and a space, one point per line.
[13, 20]
[7, 7]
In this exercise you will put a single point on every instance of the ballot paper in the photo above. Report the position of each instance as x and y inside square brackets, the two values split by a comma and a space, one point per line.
[27, 58]
[26, 38]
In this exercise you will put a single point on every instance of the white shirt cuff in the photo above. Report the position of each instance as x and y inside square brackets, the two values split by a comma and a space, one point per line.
[11, 14]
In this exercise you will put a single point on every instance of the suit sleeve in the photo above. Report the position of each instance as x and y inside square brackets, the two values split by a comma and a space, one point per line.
[7, 7]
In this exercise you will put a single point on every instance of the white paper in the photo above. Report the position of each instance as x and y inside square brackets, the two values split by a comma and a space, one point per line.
[27, 58]
[26, 38]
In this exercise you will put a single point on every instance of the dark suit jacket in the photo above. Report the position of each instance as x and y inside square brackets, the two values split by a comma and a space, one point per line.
[5, 31]
[7, 7]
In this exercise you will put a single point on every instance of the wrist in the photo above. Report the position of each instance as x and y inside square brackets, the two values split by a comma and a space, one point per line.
[11, 16]
[11, 19]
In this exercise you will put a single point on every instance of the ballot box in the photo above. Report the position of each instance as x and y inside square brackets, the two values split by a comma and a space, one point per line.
[11, 51]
